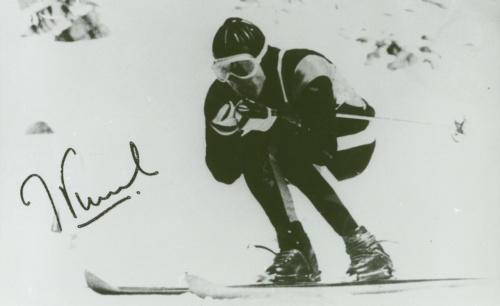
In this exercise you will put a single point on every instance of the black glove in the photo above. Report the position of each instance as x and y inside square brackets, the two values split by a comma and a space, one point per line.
[251, 109]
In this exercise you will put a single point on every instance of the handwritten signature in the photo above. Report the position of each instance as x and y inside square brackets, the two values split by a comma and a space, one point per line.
[90, 201]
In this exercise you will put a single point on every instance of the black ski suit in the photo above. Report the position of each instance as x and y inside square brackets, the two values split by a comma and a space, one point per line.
[313, 91]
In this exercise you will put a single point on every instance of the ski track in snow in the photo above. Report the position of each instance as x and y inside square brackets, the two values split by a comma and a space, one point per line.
[435, 200]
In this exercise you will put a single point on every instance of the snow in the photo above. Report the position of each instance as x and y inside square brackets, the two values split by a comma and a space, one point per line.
[434, 200]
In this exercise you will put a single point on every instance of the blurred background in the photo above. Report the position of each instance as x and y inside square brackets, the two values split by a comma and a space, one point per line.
[96, 76]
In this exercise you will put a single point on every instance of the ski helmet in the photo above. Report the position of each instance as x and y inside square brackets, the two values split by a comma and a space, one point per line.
[237, 36]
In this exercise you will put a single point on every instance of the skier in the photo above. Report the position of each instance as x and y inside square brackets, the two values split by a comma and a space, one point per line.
[271, 117]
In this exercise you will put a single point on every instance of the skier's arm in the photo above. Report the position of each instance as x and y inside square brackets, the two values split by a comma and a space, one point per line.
[317, 81]
[222, 137]
[222, 156]
[316, 104]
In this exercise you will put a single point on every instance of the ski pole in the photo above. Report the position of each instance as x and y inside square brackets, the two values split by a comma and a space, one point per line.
[348, 116]
[457, 131]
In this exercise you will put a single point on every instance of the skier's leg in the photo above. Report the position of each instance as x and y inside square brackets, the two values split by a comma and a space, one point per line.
[356, 143]
[368, 258]
[345, 126]
[264, 188]
[351, 162]
[322, 195]
[296, 260]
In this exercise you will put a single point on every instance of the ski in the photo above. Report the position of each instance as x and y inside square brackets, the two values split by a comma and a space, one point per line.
[204, 288]
[100, 286]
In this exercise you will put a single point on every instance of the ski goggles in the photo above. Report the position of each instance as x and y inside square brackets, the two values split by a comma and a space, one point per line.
[242, 66]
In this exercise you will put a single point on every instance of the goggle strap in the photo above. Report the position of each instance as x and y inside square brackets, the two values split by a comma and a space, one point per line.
[236, 57]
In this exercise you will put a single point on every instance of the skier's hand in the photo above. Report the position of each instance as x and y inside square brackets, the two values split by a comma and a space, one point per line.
[256, 124]
[250, 109]
[227, 120]
[256, 116]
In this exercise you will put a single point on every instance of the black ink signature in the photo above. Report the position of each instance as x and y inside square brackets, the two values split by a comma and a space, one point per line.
[90, 201]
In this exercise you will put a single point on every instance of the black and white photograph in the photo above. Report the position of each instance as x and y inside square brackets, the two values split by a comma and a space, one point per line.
[249, 152]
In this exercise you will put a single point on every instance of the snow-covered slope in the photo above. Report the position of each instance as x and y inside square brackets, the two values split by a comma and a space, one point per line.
[435, 200]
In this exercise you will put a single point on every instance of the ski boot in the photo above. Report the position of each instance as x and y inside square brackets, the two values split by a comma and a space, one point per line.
[296, 262]
[369, 261]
